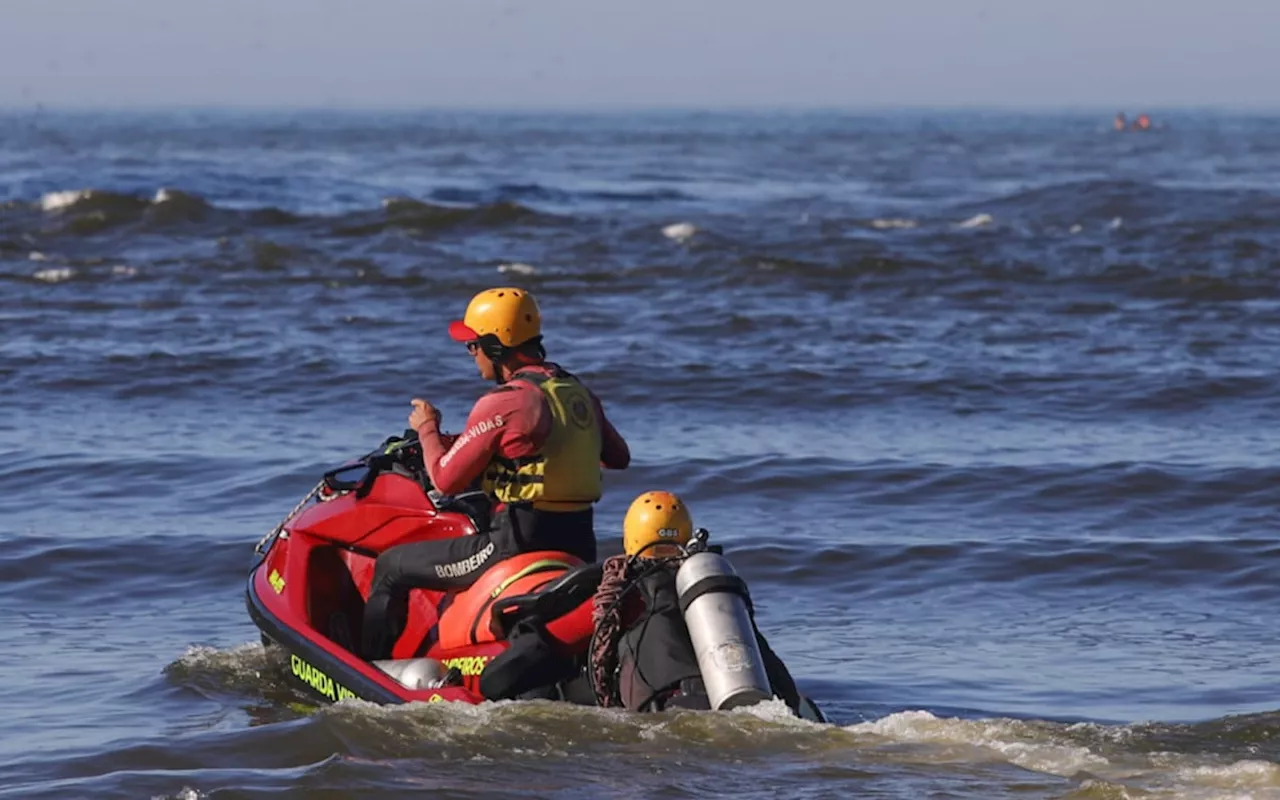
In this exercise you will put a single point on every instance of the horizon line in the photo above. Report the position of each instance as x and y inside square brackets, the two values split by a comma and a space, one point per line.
[603, 109]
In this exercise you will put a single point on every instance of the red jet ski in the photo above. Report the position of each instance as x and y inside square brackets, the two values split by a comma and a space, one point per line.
[307, 590]
[308, 587]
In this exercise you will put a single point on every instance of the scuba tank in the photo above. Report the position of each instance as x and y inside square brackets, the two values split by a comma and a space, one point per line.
[713, 600]
[419, 673]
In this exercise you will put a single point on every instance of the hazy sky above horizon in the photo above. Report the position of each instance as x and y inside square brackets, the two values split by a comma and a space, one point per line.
[587, 53]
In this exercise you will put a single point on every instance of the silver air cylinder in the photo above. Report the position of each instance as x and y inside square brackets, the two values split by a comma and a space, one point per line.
[715, 611]
[414, 673]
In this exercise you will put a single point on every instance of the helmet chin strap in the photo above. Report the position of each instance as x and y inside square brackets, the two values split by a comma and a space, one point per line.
[502, 357]
[496, 361]
[497, 370]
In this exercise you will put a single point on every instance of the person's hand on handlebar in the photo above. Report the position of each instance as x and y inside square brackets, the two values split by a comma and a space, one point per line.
[422, 412]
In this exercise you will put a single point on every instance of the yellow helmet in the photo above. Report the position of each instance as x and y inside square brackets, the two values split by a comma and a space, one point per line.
[510, 315]
[655, 521]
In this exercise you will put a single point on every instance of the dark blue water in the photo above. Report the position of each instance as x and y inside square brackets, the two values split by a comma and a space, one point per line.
[984, 407]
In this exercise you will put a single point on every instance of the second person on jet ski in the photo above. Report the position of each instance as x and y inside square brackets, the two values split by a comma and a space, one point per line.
[537, 443]
[638, 651]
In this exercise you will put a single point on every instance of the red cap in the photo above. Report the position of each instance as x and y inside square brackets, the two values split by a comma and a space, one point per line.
[459, 332]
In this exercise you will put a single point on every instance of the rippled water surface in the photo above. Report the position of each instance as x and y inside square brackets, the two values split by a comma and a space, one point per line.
[982, 406]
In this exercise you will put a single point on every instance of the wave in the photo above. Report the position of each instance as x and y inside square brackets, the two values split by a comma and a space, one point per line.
[1212, 256]
[1077, 199]
[248, 669]
[415, 215]
[893, 223]
[562, 749]
[86, 212]
[1102, 761]
[91, 200]
[1044, 488]
[1115, 380]
[54, 274]
[41, 568]
[535, 192]
[1072, 202]
[1243, 567]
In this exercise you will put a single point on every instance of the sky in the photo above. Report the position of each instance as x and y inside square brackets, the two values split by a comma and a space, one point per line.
[583, 54]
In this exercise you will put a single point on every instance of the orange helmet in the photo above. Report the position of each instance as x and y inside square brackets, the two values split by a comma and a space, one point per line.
[655, 522]
[509, 315]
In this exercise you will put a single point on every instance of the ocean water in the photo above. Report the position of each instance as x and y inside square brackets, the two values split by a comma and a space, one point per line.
[983, 407]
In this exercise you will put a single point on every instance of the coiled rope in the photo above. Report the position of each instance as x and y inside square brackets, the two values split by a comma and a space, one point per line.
[606, 617]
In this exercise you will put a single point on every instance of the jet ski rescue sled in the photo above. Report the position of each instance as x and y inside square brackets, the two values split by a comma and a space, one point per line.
[312, 574]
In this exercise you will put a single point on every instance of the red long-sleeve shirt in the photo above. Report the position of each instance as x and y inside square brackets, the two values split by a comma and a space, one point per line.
[512, 421]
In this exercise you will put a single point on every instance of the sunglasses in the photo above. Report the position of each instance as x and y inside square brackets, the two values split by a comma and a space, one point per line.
[473, 347]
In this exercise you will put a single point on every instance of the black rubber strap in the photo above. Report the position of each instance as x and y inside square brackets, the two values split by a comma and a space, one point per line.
[716, 583]
[515, 479]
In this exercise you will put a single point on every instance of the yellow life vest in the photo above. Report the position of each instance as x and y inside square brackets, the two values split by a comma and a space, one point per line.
[565, 474]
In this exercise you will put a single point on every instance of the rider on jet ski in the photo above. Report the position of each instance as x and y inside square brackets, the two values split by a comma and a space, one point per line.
[537, 441]
[639, 652]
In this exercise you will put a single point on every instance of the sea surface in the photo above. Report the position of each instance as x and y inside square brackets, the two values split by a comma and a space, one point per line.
[985, 408]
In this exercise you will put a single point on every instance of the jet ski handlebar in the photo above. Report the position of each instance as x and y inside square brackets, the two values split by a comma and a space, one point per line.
[396, 451]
